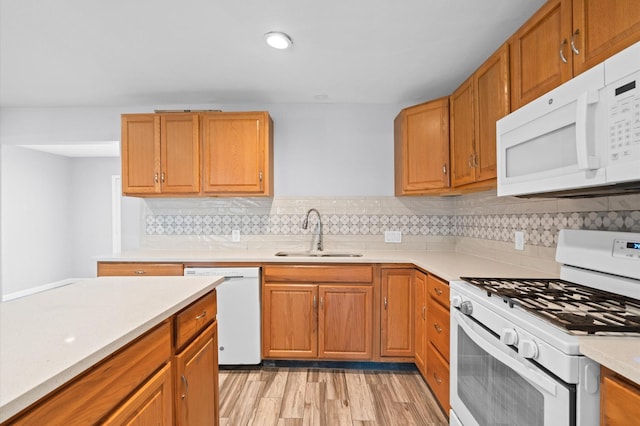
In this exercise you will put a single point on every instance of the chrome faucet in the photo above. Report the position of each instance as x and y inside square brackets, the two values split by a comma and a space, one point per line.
[305, 225]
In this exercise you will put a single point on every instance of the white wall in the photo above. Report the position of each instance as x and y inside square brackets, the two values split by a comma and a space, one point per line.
[36, 229]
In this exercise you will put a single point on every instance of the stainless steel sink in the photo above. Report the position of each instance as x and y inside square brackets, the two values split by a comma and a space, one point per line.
[316, 254]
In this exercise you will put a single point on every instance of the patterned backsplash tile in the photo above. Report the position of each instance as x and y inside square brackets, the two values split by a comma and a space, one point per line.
[540, 229]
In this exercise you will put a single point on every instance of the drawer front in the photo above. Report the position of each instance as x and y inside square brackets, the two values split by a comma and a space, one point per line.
[108, 269]
[95, 393]
[438, 290]
[323, 274]
[194, 318]
[438, 377]
[438, 327]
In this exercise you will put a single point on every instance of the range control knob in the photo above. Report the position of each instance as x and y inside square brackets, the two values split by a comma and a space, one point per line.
[466, 307]
[456, 301]
[509, 337]
[528, 349]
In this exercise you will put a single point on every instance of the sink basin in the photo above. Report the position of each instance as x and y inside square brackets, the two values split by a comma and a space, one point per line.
[316, 254]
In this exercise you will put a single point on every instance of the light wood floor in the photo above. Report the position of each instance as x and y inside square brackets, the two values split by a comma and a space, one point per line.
[308, 396]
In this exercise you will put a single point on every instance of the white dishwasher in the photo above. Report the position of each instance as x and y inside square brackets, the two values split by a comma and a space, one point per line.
[238, 313]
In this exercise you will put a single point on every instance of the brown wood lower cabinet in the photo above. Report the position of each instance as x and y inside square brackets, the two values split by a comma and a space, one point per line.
[196, 380]
[135, 385]
[397, 312]
[311, 312]
[619, 400]
[421, 342]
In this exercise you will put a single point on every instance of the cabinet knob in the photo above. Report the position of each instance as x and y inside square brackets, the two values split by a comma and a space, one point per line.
[438, 380]
[438, 291]
[155, 178]
[444, 169]
[162, 178]
[437, 327]
[140, 272]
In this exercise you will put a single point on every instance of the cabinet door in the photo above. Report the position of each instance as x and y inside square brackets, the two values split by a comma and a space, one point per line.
[345, 322]
[541, 56]
[603, 28]
[237, 153]
[491, 96]
[140, 154]
[619, 400]
[180, 153]
[420, 313]
[421, 138]
[196, 380]
[150, 405]
[462, 136]
[397, 313]
[289, 320]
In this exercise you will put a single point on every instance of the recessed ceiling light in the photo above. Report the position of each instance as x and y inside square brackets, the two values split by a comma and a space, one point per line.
[278, 40]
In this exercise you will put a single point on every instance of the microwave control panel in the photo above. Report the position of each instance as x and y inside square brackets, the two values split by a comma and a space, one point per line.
[624, 119]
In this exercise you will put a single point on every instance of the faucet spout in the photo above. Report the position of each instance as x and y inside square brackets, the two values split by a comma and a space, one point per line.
[305, 225]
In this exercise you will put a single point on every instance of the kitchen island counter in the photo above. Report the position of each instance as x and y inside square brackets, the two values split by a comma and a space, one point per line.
[48, 338]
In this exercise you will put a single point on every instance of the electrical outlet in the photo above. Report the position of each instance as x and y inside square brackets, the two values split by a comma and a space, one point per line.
[392, 236]
[519, 239]
[235, 235]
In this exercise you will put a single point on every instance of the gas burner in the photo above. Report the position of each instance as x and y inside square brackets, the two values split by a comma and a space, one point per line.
[573, 307]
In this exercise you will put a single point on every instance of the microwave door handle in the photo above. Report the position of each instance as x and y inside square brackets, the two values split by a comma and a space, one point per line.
[531, 375]
[585, 161]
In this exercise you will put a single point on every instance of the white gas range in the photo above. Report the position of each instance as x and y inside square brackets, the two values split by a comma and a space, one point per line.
[515, 355]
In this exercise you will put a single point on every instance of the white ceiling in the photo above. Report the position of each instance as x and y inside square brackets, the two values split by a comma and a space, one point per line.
[77, 53]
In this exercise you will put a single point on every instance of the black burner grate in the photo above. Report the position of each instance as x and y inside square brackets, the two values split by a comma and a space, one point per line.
[568, 305]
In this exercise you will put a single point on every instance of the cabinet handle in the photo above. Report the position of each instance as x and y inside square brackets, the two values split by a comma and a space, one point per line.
[424, 311]
[444, 169]
[140, 272]
[386, 303]
[162, 178]
[202, 315]
[322, 303]
[438, 380]
[260, 175]
[315, 302]
[438, 291]
[573, 39]
[155, 177]
[470, 161]
[562, 45]
[437, 327]
[475, 160]
[186, 386]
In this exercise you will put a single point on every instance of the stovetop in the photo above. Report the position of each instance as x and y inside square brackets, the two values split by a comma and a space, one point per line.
[576, 308]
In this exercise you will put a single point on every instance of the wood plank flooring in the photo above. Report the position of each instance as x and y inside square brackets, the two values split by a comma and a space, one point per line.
[283, 396]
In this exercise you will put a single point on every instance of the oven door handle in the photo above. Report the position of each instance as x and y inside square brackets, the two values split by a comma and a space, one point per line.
[509, 360]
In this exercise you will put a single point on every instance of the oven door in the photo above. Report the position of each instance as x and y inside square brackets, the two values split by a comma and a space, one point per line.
[491, 384]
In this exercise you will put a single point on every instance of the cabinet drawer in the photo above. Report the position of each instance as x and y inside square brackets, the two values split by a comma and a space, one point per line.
[438, 327]
[324, 274]
[438, 290]
[91, 396]
[109, 269]
[194, 318]
[438, 377]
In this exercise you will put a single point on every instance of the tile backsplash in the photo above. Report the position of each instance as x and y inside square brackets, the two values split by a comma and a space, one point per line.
[479, 223]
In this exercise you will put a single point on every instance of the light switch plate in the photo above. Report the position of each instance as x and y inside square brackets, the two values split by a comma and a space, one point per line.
[392, 236]
[235, 235]
[519, 239]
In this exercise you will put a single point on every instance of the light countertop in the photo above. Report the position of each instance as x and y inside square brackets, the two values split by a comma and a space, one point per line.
[447, 265]
[620, 354]
[50, 337]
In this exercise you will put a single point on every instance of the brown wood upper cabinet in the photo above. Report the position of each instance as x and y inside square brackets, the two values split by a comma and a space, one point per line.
[237, 153]
[474, 109]
[160, 154]
[421, 139]
[566, 37]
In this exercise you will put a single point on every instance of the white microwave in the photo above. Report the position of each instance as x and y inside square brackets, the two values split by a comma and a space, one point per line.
[580, 139]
